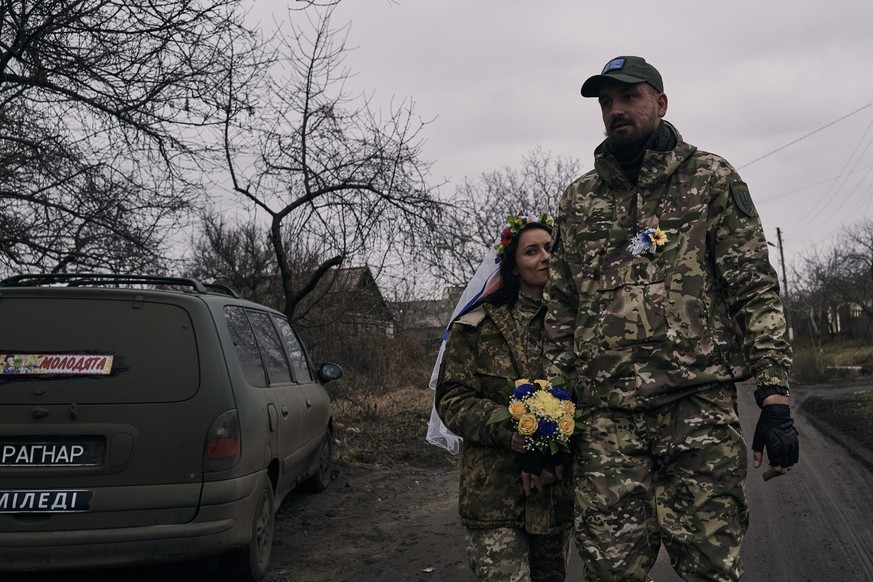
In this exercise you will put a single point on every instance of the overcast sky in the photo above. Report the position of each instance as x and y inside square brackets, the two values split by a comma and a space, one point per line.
[744, 79]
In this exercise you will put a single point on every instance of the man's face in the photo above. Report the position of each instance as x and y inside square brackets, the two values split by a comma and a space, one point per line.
[631, 112]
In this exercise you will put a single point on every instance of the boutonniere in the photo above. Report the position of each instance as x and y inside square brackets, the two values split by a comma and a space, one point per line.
[647, 241]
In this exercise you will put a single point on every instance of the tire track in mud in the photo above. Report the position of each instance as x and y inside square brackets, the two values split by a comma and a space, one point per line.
[837, 488]
[813, 524]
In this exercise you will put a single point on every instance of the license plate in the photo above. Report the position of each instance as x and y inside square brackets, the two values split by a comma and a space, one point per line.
[51, 452]
[43, 501]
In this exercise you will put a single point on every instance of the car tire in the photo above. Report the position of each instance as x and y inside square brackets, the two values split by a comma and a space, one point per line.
[250, 563]
[321, 478]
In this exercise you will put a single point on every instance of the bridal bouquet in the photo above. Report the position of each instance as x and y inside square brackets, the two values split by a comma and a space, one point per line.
[542, 413]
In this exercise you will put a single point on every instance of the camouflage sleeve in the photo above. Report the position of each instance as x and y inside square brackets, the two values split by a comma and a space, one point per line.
[459, 400]
[749, 280]
[562, 303]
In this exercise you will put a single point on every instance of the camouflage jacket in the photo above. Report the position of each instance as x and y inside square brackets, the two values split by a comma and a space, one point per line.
[484, 353]
[635, 332]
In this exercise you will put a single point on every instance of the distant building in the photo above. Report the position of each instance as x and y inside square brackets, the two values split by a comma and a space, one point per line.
[350, 297]
[848, 319]
[347, 297]
[851, 319]
[426, 318]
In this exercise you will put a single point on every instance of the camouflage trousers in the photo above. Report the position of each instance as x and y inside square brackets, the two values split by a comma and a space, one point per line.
[508, 554]
[674, 475]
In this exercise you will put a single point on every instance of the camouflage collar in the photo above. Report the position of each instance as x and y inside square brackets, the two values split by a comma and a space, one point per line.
[527, 305]
[656, 166]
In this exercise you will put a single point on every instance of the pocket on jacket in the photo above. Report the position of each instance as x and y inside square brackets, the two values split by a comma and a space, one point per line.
[497, 376]
[632, 306]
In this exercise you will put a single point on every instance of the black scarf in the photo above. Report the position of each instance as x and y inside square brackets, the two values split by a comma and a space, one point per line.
[630, 160]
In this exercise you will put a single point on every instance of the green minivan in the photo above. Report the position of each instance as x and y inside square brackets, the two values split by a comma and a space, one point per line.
[151, 419]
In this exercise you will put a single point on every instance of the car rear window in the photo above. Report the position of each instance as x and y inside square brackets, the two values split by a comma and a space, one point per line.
[153, 349]
[299, 363]
[278, 369]
[245, 346]
[268, 350]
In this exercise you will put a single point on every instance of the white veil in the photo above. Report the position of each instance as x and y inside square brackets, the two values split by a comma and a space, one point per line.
[486, 280]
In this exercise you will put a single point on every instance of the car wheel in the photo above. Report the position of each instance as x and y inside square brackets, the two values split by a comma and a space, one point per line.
[250, 563]
[321, 478]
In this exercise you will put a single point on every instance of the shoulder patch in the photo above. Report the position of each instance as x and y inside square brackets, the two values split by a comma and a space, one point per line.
[743, 199]
[473, 317]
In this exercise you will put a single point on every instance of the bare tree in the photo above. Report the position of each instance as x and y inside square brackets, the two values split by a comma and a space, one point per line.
[339, 182]
[480, 208]
[234, 251]
[839, 278]
[100, 101]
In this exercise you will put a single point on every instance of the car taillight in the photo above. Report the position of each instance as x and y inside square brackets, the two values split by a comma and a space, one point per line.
[222, 446]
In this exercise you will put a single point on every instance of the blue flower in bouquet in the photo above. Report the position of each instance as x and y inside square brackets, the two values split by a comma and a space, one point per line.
[559, 393]
[547, 428]
[523, 390]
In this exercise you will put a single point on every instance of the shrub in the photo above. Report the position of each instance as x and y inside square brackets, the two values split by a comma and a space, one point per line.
[382, 403]
[833, 361]
[809, 366]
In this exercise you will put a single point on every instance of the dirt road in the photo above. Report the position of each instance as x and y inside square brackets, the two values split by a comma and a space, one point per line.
[400, 523]
[814, 524]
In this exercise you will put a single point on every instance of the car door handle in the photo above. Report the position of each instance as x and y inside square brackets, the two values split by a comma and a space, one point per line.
[274, 420]
[284, 410]
[308, 403]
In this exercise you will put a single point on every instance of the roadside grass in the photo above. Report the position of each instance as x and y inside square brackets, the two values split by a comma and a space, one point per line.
[833, 361]
[850, 415]
[382, 404]
[390, 430]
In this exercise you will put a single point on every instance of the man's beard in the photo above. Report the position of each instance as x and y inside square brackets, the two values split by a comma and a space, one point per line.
[625, 146]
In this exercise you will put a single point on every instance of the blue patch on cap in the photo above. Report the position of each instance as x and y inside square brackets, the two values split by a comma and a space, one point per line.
[613, 65]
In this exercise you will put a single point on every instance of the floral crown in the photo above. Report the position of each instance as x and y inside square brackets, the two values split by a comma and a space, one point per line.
[516, 224]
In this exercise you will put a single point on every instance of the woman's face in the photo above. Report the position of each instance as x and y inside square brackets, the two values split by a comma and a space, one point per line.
[532, 261]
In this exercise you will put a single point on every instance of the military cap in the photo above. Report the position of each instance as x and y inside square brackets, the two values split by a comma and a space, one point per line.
[626, 69]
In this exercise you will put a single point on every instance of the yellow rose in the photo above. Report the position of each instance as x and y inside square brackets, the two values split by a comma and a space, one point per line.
[521, 381]
[527, 424]
[566, 424]
[569, 407]
[516, 409]
[543, 384]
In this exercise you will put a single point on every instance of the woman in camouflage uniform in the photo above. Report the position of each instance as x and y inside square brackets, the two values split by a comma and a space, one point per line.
[514, 532]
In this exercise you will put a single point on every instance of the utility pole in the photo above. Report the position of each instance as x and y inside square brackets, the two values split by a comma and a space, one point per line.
[784, 284]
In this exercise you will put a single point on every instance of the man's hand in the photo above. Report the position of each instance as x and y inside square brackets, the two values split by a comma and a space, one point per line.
[775, 431]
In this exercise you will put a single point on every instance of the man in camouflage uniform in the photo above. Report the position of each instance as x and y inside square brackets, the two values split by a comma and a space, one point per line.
[660, 298]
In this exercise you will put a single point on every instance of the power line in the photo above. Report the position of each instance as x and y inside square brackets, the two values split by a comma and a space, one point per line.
[801, 138]
[808, 186]
[837, 185]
